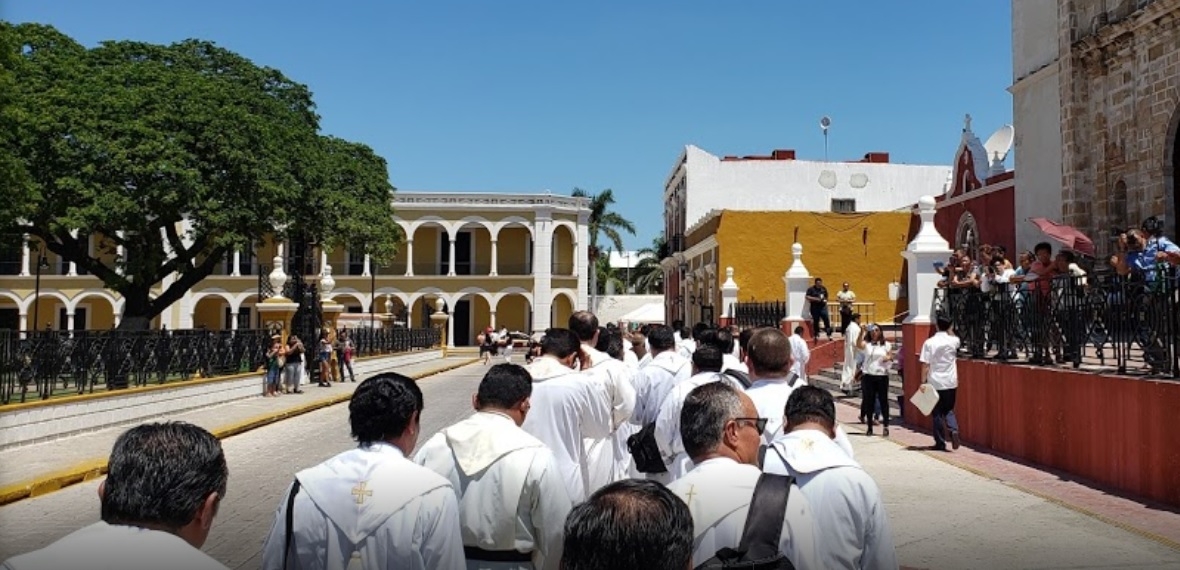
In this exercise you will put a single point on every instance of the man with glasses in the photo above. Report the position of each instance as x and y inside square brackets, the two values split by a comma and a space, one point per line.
[722, 434]
[851, 525]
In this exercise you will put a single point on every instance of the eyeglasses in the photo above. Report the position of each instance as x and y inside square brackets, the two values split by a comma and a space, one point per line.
[759, 423]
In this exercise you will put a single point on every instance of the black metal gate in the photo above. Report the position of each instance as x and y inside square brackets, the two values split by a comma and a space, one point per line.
[308, 323]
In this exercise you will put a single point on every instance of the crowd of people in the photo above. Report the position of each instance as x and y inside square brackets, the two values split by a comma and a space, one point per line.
[664, 448]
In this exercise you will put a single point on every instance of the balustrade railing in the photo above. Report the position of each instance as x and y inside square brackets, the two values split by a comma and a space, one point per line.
[1103, 322]
[372, 342]
[758, 313]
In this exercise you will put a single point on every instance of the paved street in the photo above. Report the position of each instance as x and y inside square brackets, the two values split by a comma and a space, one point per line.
[942, 516]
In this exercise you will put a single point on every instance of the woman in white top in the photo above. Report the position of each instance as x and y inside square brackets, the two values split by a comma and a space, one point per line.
[874, 380]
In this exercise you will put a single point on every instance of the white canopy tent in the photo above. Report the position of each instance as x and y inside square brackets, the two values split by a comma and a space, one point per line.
[649, 313]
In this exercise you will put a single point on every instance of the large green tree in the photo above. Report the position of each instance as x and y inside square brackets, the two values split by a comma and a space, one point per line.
[603, 223]
[134, 140]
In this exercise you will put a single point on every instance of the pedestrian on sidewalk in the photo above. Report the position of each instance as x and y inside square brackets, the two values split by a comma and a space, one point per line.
[940, 370]
[344, 348]
[293, 365]
[161, 494]
[274, 366]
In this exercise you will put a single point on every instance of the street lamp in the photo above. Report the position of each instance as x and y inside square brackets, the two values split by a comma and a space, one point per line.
[372, 294]
[42, 264]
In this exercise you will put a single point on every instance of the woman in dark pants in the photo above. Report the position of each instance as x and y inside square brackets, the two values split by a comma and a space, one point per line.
[874, 380]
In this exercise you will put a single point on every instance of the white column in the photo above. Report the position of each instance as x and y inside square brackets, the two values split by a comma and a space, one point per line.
[495, 258]
[492, 315]
[233, 320]
[542, 267]
[729, 295]
[119, 251]
[323, 260]
[797, 279]
[70, 321]
[237, 261]
[409, 258]
[451, 327]
[582, 261]
[279, 249]
[73, 266]
[365, 270]
[24, 256]
[24, 321]
[119, 318]
[926, 248]
[451, 259]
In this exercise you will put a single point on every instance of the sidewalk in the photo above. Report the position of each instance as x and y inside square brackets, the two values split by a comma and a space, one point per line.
[1153, 521]
[42, 468]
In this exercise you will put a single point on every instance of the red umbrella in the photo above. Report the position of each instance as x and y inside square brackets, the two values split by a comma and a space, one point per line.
[1068, 236]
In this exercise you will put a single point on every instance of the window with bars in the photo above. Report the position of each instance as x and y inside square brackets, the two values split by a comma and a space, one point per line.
[844, 205]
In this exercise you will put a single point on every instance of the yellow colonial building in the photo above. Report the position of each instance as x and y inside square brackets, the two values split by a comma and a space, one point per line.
[503, 260]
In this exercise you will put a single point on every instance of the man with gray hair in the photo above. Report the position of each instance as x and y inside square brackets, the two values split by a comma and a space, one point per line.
[721, 432]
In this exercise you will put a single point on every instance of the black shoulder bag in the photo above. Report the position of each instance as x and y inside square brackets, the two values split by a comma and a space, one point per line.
[740, 376]
[645, 451]
[290, 521]
[764, 528]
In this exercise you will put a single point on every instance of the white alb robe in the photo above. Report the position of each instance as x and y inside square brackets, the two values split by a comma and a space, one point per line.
[718, 494]
[103, 546]
[369, 508]
[668, 422]
[655, 381]
[801, 355]
[770, 396]
[567, 408]
[608, 457]
[851, 353]
[497, 468]
[730, 362]
[851, 525]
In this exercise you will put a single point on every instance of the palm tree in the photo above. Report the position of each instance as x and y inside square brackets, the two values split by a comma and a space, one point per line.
[648, 274]
[603, 222]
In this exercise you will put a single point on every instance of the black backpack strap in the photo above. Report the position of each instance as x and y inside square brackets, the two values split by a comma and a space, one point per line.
[764, 523]
[741, 377]
[290, 521]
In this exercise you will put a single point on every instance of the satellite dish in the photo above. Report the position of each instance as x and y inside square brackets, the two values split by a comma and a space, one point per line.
[825, 122]
[1000, 143]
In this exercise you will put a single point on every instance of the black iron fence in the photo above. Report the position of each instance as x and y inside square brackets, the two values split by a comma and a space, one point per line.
[1104, 322]
[372, 342]
[41, 364]
[758, 313]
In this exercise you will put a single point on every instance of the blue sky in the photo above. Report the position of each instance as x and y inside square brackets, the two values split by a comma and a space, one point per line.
[531, 95]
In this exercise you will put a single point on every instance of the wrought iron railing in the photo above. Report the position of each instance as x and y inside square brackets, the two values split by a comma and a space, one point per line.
[41, 364]
[1101, 322]
[758, 313]
[372, 342]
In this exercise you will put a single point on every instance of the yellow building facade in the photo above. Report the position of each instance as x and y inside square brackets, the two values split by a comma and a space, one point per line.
[502, 260]
[863, 249]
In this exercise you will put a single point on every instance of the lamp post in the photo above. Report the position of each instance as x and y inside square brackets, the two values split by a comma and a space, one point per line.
[372, 295]
[42, 264]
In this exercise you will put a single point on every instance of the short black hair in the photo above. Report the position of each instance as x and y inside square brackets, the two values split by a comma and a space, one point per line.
[1043, 246]
[584, 324]
[811, 404]
[744, 337]
[707, 358]
[603, 339]
[799, 330]
[161, 474]
[699, 328]
[560, 343]
[720, 338]
[677, 324]
[706, 410]
[382, 406]
[613, 346]
[944, 323]
[629, 524]
[660, 338]
[504, 386]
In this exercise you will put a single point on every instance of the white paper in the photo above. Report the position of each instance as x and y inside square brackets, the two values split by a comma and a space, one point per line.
[925, 400]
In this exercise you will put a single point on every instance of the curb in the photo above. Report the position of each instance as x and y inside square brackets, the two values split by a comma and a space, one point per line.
[95, 468]
[1163, 540]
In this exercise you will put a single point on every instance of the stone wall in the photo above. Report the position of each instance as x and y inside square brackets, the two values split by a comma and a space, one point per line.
[1120, 90]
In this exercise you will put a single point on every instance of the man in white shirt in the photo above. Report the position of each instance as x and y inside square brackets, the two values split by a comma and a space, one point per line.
[940, 370]
[851, 524]
[846, 298]
[706, 368]
[768, 354]
[687, 343]
[655, 381]
[370, 507]
[567, 408]
[721, 431]
[800, 354]
[608, 457]
[851, 354]
[495, 467]
[163, 488]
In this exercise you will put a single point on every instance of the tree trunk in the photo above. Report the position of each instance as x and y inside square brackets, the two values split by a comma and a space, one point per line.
[137, 316]
[593, 287]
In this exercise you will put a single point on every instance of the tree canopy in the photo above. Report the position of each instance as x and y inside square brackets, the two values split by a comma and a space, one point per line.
[127, 139]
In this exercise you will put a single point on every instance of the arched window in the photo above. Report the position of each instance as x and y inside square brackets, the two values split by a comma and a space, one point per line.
[967, 235]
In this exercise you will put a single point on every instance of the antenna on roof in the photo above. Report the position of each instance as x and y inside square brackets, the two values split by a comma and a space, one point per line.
[824, 123]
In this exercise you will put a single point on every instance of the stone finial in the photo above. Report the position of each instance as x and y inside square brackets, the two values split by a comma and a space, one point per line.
[327, 282]
[928, 238]
[438, 305]
[797, 268]
[997, 164]
[729, 282]
[277, 277]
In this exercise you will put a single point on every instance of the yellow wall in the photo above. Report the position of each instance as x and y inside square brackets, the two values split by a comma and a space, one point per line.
[563, 251]
[102, 315]
[209, 313]
[513, 312]
[426, 246]
[483, 250]
[562, 309]
[835, 248]
[513, 247]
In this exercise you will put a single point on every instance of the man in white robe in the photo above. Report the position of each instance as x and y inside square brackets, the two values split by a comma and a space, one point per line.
[512, 499]
[768, 354]
[852, 526]
[568, 407]
[370, 507]
[158, 474]
[706, 367]
[656, 380]
[800, 354]
[721, 433]
[851, 354]
[608, 457]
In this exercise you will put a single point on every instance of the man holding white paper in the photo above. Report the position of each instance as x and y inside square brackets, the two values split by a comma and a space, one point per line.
[940, 369]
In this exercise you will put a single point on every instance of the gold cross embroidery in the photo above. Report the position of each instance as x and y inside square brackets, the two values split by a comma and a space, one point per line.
[691, 491]
[360, 492]
[808, 444]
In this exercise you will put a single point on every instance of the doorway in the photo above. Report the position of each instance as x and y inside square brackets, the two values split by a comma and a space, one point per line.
[463, 253]
[462, 318]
